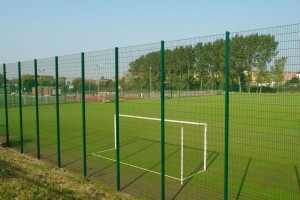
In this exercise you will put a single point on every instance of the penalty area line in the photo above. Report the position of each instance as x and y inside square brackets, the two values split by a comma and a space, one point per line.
[134, 166]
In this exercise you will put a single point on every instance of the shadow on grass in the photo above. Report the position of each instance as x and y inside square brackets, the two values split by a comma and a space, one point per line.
[297, 175]
[49, 156]
[71, 148]
[54, 149]
[144, 173]
[3, 144]
[210, 159]
[77, 160]
[16, 144]
[80, 145]
[172, 144]
[123, 145]
[243, 180]
[72, 162]
[32, 151]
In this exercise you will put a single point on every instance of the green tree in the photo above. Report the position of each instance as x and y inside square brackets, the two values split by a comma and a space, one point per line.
[218, 62]
[76, 84]
[91, 86]
[210, 62]
[238, 63]
[249, 57]
[28, 83]
[180, 66]
[205, 64]
[277, 71]
[1, 80]
[200, 65]
[262, 49]
[138, 76]
[294, 80]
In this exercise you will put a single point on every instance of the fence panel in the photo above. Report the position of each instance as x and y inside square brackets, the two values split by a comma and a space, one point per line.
[47, 108]
[13, 104]
[2, 109]
[28, 108]
[100, 110]
[264, 114]
[194, 92]
[70, 111]
[2, 122]
[139, 138]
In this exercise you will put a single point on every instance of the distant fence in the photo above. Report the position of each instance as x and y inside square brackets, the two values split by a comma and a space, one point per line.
[213, 117]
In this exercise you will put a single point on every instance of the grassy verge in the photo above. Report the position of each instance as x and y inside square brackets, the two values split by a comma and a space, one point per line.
[23, 177]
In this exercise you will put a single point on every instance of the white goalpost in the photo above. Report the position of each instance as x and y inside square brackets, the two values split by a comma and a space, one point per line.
[182, 178]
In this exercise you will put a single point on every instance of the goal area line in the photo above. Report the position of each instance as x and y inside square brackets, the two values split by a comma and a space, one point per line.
[181, 139]
[182, 134]
[144, 169]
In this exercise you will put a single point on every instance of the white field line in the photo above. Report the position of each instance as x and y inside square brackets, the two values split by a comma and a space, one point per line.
[193, 175]
[166, 120]
[106, 150]
[262, 103]
[135, 166]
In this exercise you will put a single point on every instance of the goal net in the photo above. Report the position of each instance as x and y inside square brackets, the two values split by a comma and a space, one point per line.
[180, 140]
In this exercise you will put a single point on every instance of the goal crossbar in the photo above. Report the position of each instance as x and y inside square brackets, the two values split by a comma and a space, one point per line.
[182, 141]
[166, 120]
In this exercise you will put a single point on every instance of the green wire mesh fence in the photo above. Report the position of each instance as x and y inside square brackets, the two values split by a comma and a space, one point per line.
[46, 110]
[160, 121]
[264, 114]
[139, 135]
[28, 108]
[13, 103]
[100, 110]
[69, 73]
[195, 117]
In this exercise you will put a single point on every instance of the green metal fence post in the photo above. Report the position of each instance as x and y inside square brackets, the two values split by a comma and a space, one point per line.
[37, 111]
[57, 112]
[226, 116]
[83, 114]
[162, 98]
[5, 104]
[20, 107]
[117, 119]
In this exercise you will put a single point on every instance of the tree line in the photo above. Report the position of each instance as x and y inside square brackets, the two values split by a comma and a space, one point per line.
[252, 58]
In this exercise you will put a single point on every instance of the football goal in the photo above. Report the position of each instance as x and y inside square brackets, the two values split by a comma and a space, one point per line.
[201, 160]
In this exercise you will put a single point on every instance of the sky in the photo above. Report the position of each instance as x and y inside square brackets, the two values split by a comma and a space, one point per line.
[41, 29]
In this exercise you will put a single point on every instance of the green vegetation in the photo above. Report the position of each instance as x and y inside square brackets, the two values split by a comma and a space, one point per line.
[66, 87]
[252, 58]
[1, 80]
[263, 129]
[23, 177]
[277, 72]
